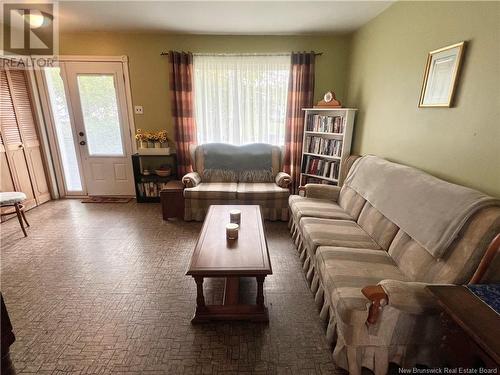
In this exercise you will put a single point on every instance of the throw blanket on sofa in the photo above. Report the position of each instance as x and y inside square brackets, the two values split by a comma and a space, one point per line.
[430, 210]
[252, 162]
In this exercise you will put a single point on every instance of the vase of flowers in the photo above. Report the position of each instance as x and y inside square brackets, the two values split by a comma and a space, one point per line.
[141, 138]
[150, 138]
[163, 138]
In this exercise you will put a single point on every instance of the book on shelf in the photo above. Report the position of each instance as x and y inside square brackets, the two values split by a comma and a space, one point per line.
[323, 146]
[325, 124]
[151, 189]
[323, 168]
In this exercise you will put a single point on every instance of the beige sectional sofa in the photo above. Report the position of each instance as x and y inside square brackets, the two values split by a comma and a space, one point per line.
[228, 174]
[402, 229]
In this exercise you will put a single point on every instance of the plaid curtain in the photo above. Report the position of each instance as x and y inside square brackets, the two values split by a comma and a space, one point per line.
[181, 93]
[300, 95]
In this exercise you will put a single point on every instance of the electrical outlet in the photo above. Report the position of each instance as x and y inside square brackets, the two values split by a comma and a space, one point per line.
[139, 110]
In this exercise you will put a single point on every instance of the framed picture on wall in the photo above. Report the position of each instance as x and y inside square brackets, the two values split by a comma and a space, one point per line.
[441, 75]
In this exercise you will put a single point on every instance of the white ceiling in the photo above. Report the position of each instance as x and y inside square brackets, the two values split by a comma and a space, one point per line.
[219, 17]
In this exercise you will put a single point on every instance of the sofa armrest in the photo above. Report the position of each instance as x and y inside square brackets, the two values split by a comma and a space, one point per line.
[191, 179]
[378, 298]
[408, 296]
[283, 180]
[321, 191]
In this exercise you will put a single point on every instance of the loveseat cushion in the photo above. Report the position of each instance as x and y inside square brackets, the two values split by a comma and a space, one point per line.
[311, 207]
[340, 233]
[248, 191]
[212, 190]
[219, 175]
[345, 271]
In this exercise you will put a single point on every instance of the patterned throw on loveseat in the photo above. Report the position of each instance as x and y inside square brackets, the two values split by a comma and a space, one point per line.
[394, 228]
[228, 174]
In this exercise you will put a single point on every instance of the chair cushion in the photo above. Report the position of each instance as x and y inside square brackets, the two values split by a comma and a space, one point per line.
[345, 271]
[261, 191]
[212, 190]
[339, 233]
[311, 207]
[11, 197]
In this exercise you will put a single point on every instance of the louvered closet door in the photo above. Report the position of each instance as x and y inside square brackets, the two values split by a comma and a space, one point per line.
[13, 144]
[6, 181]
[24, 113]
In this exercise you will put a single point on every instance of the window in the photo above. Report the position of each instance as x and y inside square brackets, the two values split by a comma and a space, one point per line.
[100, 114]
[241, 99]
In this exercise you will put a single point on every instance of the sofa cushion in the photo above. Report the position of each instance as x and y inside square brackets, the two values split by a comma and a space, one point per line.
[341, 233]
[381, 229]
[212, 190]
[351, 201]
[261, 190]
[345, 271]
[311, 207]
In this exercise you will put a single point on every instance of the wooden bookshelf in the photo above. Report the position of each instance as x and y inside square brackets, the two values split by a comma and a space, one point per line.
[326, 144]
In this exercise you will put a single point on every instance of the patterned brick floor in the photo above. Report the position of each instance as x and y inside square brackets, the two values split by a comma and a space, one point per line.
[100, 288]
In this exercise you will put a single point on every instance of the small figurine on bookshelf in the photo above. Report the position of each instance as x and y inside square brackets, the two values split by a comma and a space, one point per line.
[329, 101]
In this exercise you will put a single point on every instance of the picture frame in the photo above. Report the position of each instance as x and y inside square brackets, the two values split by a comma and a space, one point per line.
[441, 76]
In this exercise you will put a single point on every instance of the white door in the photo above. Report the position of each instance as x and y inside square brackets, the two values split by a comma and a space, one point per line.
[93, 130]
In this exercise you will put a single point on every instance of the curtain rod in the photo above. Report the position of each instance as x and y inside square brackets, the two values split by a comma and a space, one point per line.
[244, 54]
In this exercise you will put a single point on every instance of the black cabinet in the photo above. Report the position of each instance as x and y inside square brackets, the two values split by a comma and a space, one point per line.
[148, 187]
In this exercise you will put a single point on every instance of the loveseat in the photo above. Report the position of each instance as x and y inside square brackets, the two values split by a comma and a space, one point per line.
[228, 174]
[397, 229]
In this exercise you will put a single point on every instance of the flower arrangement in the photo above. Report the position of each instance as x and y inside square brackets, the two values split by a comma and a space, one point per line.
[153, 137]
[162, 136]
[140, 136]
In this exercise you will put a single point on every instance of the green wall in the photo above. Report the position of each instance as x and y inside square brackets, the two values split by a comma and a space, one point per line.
[388, 55]
[149, 70]
[378, 69]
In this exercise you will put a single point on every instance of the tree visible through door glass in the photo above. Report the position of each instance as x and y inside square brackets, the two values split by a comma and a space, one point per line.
[100, 114]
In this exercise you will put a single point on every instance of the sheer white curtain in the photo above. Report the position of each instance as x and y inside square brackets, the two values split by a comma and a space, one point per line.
[241, 99]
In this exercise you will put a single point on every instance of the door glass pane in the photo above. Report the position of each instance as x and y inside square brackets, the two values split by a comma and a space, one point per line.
[64, 133]
[100, 114]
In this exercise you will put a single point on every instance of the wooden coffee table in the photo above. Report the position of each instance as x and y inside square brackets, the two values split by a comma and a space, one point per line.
[215, 256]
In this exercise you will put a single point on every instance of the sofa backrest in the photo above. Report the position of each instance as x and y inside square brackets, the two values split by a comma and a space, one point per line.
[221, 162]
[460, 258]
[351, 201]
[380, 228]
[460, 261]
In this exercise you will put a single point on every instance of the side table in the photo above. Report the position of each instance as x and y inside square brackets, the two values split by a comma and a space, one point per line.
[172, 200]
[472, 328]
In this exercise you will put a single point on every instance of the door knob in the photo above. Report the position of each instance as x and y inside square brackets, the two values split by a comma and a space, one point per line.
[82, 143]
[81, 134]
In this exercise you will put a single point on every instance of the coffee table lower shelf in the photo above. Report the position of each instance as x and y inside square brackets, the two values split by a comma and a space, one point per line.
[231, 309]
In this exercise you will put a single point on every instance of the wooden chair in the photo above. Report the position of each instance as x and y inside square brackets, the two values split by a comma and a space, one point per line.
[14, 199]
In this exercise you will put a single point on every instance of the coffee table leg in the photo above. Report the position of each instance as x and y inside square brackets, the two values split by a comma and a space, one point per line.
[260, 291]
[200, 299]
